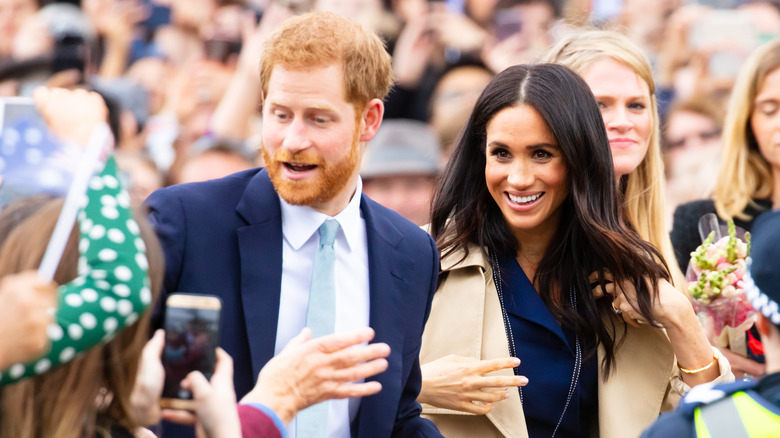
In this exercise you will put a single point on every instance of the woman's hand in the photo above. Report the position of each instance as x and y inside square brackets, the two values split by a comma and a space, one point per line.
[670, 307]
[148, 386]
[740, 365]
[674, 312]
[459, 383]
[216, 415]
[27, 307]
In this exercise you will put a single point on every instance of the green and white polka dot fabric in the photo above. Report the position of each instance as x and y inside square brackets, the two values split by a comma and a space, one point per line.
[112, 288]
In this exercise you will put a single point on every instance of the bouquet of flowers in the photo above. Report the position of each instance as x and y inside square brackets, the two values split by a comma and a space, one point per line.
[715, 280]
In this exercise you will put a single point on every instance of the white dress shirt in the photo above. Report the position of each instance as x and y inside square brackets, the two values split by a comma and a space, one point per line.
[301, 241]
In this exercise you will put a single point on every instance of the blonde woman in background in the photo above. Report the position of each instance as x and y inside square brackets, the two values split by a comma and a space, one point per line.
[748, 182]
[620, 77]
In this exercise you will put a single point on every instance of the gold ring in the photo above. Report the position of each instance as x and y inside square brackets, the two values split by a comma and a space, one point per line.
[615, 309]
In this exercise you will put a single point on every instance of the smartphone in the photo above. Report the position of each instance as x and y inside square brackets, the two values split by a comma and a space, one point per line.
[191, 335]
[17, 109]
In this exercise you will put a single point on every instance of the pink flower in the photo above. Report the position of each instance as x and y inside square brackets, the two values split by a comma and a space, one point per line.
[722, 265]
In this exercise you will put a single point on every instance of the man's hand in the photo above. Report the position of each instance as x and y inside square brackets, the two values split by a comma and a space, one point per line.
[310, 371]
[27, 307]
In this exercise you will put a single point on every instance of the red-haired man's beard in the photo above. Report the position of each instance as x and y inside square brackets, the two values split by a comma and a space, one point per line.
[329, 180]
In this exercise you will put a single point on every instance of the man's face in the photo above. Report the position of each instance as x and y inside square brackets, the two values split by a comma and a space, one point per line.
[310, 138]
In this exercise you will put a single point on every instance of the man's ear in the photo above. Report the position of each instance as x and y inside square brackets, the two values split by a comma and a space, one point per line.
[372, 119]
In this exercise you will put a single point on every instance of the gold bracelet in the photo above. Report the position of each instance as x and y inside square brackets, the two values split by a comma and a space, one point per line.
[698, 370]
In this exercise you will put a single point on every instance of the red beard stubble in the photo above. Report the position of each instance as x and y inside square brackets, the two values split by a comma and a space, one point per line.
[330, 179]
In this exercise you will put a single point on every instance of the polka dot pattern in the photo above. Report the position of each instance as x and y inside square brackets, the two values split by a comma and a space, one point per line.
[112, 289]
[16, 371]
[116, 236]
[107, 255]
[74, 300]
[123, 291]
[67, 354]
[42, 366]
[88, 320]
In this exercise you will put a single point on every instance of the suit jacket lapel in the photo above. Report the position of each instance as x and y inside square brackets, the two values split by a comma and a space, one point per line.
[260, 251]
[386, 272]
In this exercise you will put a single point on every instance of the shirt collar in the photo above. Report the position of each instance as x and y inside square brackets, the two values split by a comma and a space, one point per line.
[300, 222]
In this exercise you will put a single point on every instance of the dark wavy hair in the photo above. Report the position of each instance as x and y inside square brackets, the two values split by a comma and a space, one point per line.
[592, 236]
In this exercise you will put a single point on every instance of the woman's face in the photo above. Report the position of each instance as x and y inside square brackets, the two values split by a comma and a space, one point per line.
[525, 171]
[765, 119]
[624, 100]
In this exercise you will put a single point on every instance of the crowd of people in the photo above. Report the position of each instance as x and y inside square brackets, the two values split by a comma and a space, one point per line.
[421, 219]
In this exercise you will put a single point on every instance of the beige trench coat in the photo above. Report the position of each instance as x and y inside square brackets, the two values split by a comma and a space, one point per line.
[466, 320]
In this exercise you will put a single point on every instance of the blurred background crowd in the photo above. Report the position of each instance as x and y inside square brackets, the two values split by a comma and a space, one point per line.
[181, 76]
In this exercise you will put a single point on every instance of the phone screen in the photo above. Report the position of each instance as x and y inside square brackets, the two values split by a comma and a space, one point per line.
[31, 160]
[191, 336]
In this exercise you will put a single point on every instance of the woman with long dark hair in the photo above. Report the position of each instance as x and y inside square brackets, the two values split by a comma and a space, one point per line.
[528, 220]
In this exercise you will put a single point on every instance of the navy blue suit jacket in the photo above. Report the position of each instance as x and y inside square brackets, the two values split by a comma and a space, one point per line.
[224, 237]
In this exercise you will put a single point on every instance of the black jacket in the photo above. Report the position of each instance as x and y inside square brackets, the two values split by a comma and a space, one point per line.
[685, 229]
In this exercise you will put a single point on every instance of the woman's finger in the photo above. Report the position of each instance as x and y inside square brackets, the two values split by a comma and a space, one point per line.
[502, 381]
[178, 416]
[487, 396]
[479, 409]
[490, 365]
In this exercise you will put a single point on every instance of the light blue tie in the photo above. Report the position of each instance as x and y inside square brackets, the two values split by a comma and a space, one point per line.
[321, 319]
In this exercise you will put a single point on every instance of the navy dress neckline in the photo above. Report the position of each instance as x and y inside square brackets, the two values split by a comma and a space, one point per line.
[547, 356]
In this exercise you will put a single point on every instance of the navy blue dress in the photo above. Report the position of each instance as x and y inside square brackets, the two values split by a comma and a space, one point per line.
[547, 357]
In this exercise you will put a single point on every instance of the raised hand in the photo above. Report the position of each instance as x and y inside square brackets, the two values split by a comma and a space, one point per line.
[56, 106]
[308, 371]
[670, 306]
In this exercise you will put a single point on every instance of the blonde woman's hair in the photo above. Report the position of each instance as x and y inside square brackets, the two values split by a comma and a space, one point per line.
[644, 188]
[744, 173]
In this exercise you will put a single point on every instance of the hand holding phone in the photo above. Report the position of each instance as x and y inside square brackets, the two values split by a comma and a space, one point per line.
[191, 335]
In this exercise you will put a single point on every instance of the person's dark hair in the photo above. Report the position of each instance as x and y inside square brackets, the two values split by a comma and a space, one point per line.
[593, 236]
